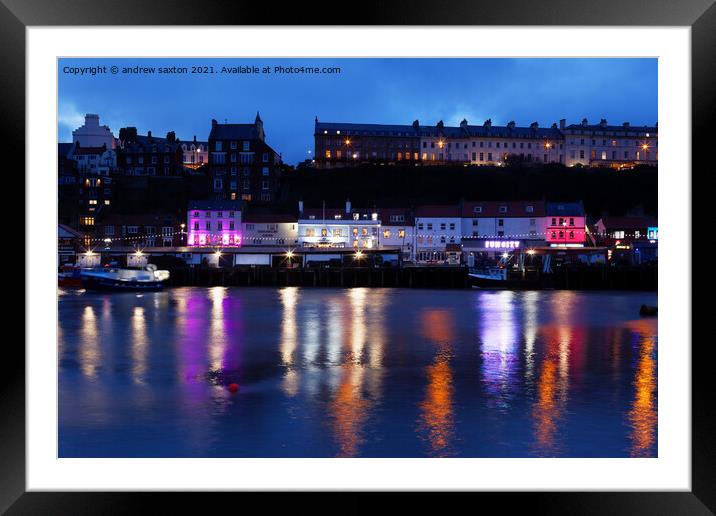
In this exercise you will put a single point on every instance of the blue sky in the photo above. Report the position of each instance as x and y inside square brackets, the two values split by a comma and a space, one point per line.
[395, 91]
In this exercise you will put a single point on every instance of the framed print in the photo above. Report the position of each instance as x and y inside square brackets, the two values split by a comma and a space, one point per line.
[419, 252]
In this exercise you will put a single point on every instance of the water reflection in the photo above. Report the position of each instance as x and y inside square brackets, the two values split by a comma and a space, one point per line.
[358, 389]
[357, 372]
[437, 407]
[289, 337]
[499, 346]
[139, 345]
[643, 413]
[90, 354]
[217, 329]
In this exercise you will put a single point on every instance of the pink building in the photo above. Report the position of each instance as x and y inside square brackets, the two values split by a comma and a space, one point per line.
[565, 224]
[214, 223]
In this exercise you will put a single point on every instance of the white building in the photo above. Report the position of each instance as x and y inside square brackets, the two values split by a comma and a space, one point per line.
[269, 229]
[100, 160]
[91, 134]
[195, 153]
[330, 227]
[214, 223]
[497, 227]
[436, 228]
[487, 144]
[398, 231]
[610, 145]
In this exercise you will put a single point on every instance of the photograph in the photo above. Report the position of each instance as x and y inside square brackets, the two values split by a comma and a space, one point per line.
[358, 257]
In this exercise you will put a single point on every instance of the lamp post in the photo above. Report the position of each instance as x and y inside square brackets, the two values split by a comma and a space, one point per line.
[181, 233]
[564, 230]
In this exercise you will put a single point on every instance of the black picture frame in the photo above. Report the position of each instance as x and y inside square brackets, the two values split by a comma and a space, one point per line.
[700, 15]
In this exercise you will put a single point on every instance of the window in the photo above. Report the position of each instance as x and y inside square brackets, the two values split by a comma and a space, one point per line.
[401, 233]
[246, 146]
[530, 209]
[264, 157]
[196, 226]
[207, 226]
[217, 146]
[233, 145]
[109, 230]
[503, 209]
[310, 232]
[265, 171]
[533, 222]
[132, 230]
[264, 185]
[571, 221]
[452, 226]
[219, 226]
[442, 226]
[475, 222]
[500, 222]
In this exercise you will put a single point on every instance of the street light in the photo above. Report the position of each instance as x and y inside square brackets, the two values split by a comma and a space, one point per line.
[564, 230]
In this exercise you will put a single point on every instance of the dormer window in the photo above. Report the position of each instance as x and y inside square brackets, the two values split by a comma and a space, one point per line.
[477, 209]
[503, 209]
[530, 209]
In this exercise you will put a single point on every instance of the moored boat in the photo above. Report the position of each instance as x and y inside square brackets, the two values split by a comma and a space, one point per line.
[145, 278]
[69, 277]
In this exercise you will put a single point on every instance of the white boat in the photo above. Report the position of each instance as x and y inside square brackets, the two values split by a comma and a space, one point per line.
[124, 279]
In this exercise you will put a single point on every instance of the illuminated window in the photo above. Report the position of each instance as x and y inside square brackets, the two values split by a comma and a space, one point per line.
[401, 233]
[328, 154]
[336, 232]
[324, 232]
[386, 233]
[87, 221]
[310, 232]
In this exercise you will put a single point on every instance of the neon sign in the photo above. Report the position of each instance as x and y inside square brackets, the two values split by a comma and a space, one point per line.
[502, 244]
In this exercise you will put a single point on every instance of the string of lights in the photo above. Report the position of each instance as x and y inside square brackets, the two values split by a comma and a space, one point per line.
[534, 235]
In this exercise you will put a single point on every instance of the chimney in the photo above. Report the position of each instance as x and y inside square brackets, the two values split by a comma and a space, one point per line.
[214, 123]
[626, 125]
[348, 206]
[149, 134]
[416, 124]
[463, 123]
[488, 123]
[554, 126]
[511, 124]
[603, 122]
[584, 122]
[440, 124]
[562, 123]
[194, 138]
[534, 125]
[300, 208]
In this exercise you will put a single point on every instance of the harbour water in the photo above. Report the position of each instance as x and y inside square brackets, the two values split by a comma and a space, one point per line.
[356, 373]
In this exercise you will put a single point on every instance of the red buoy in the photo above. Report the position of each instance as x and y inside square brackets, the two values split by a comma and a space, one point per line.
[233, 387]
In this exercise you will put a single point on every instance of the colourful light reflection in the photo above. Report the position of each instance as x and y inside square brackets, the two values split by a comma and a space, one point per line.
[437, 407]
[643, 414]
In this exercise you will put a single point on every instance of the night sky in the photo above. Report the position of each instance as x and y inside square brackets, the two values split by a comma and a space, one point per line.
[394, 91]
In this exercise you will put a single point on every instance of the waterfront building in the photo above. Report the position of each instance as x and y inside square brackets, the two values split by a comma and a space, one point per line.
[350, 144]
[624, 232]
[616, 146]
[565, 224]
[140, 231]
[139, 155]
[496, 227]
[339, 228]
[214, 223]
[435, 228]
[91, 134]
[69, 243]
[269, 229]
[195, 154]
[242, 166]
[398, 231]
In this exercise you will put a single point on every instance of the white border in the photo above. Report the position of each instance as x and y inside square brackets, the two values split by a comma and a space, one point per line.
[672, 468]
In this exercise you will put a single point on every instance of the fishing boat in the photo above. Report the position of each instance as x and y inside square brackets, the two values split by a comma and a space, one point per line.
[145, 278]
